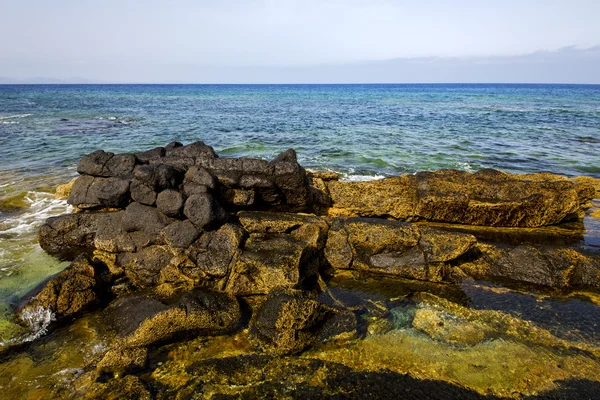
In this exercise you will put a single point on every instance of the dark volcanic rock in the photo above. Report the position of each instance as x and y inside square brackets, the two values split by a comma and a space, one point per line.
[142, 192]
[68, 233]
[145, 157]
[200, 176]
[203, 210]
[100, 163]
[142, 321]
[180, 234]
[290, 321]
[158, 176]
[93, 192]
[143, 267]
[169, 202]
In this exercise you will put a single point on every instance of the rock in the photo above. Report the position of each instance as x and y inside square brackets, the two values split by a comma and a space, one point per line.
[120, 361]
[394, 248]
[143, 267]
[200, 176]
[93, 192]
[142, 193]
[267, 262]
[158, 176]
[169, 202]
[239, 198]
[290, 321]
[142, 322]
[287, 156]
[203, 210]
[180, 234]
[535, 265]
[487, 197]
[102, 164]
[67, 234]
[185, 157]
[449, 328]
[69, 293]
[145, 157]
[214, 253]
[130, 387]
[148, 219]
[64, 191]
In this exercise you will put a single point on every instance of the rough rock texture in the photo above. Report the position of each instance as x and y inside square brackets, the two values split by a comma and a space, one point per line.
[67, 233]
[394, 248]
[95, 192]
[487, 197]
[290, 321]
[141, 321]
[71, 292]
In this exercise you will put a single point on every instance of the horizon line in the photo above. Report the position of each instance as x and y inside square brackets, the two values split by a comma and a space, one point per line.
[294, 83]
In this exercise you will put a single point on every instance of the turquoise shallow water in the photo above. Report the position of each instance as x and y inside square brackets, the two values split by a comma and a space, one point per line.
[355, 129]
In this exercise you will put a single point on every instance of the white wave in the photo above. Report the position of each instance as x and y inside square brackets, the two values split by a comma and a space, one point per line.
[15, 116]
[42, 206]
[361, 178]
[38, 321]
[9, 122]
[465, 166]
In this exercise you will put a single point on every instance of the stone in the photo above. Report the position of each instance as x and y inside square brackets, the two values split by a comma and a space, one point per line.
[129, 387]
[148, 219]
[180, 234]
[145, 157]
[239, 198]
[270, 261]
[143, 267]
[185, 157]
[290, 321]
[203, 210]
[69, 293]
[67, 234]
[158, 176]
[169, 202]
[449, 328]
[123, 360]
[103, 164]
[64, 191]
[214, 253]
[200, 176]
[142, 193]
[94, 192]
[141, 322]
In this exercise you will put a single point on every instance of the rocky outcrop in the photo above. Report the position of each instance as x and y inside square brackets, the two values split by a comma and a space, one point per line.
[487, 198]
[290, 321]
[394, 248]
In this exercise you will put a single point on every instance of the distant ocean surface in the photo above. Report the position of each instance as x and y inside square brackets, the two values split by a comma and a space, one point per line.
[361, 131]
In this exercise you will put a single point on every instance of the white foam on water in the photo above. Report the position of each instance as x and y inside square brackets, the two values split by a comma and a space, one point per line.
[38, 320]
[15, 116]
[42, 206]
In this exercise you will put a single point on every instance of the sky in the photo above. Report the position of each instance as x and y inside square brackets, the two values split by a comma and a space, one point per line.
[288, 41]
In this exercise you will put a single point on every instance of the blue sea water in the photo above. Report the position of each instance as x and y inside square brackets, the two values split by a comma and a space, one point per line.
[359, 130]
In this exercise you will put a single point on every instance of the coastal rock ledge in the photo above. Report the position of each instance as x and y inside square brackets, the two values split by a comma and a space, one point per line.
[177, 242]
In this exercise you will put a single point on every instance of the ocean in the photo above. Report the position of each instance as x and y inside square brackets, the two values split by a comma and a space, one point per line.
[361, 131]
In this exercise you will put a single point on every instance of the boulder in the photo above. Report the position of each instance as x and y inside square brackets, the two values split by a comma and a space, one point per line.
[200, 176]
[158, 176]
[486, 198]
[67, 234]
[145, 157]
[394, 248]
[129, 387]
[290, 321]
[95, 192]
[169, 202]
[142, 192]
[69, 293]
[143, 267]
[203, 210]
[184, 157]
[64, 191]
[141, 321]
[180, 234]
[123, 360]
[103, 164]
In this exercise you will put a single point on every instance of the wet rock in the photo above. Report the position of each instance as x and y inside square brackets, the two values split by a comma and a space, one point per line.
[120, 361]
[67, 234]
[129, 387]
[94, 192]
[69, 293]
[169, 202]
[449, 328]
[142, 322]
[290, 321]
[64, 191]
[203, 210]
[180, 234]
[103, 164]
